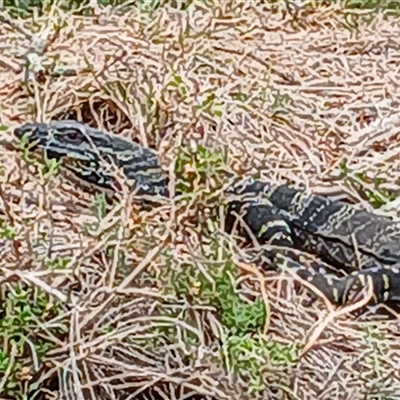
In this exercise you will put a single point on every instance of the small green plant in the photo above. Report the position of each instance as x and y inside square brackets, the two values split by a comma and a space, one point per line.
[237, 315]
[217, 288]
[47, 169]
[200, 170]
[59, 263]
[7, 231]
[211, 105]
[376, 196]
[100, 209]
[27, 329]
[250, 355]
[215, 285]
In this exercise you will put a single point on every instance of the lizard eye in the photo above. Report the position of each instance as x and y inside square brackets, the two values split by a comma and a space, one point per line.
[73, 136]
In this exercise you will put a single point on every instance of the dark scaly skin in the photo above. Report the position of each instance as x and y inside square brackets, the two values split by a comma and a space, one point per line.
[339, 290]
[330, 228]
[274, 214]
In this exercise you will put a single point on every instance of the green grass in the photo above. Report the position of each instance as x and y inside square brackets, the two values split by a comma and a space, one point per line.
[31, 323]
[25, 8]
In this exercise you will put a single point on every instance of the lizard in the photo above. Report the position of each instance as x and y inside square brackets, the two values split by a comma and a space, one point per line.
[86, 152]
[355, 241]
[275, 214]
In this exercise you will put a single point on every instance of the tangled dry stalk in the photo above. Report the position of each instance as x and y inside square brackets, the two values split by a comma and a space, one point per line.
[299, 96]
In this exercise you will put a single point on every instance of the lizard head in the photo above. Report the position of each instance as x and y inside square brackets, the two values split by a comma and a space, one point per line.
[92, 155]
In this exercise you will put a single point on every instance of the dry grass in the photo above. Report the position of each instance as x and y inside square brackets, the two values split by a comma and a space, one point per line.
[306, 97]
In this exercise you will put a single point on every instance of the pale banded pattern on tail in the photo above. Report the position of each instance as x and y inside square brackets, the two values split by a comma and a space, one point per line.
[385, 283]
[365, 245]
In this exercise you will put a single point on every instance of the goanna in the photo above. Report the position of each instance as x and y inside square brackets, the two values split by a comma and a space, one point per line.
[336, 232]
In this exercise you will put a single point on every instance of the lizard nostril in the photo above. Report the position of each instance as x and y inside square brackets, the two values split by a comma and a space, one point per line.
[23, 130]
[18, 132]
